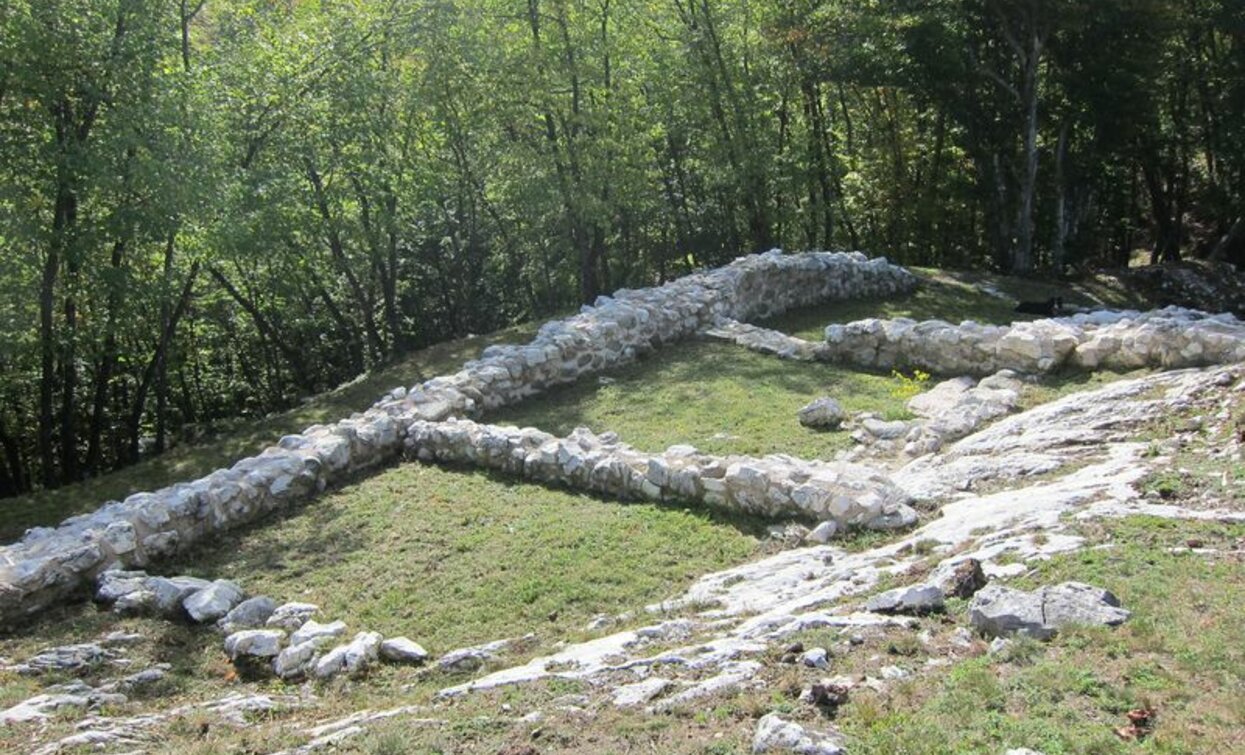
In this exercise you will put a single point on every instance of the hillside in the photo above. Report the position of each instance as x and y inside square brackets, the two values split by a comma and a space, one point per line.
[454, 556]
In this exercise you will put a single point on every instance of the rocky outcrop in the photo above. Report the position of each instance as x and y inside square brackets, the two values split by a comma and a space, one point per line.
[1170, 337]
[773, 486]
[50, 563]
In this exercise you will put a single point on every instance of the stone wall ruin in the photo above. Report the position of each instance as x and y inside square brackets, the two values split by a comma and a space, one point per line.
[51, 563]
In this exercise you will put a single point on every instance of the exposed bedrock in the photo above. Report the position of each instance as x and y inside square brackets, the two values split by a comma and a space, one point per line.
[1170, 337]
[773, 486]
[50, 563]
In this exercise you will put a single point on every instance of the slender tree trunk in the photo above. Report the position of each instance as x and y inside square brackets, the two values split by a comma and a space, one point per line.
[103, 373]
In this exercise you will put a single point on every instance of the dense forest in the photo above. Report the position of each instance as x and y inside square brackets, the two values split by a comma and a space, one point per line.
[209, 208]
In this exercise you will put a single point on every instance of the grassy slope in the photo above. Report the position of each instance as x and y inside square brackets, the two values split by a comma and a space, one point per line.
[451, 557]
[1180, 654]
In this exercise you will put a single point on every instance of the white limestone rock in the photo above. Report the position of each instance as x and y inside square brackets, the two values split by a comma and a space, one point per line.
[291, 616]
[213, 601]
[254, 643]
[913, 599]
[998, 611]
[313, 629]
[822, 414]
[249, 614]
[402, 650]
[773, 734]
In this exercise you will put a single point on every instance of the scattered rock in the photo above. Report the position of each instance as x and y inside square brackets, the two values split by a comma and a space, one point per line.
[402, 650]
[213, 601]
[822, 414]
[249, 614]
[295, 661]
[291, 616]
[998, 611]
[776, 735]
[823, 532]
[313, 629]
[914, 599]
[254, 643]
[816, 658]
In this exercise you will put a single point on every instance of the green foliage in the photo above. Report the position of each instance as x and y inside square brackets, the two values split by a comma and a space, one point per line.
[212, 210]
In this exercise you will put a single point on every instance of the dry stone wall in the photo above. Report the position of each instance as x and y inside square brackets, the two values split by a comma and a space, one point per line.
[49, 563]
[773, 486]
[1170, 337]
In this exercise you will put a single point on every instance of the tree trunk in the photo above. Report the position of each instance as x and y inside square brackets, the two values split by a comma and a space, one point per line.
[103, 373]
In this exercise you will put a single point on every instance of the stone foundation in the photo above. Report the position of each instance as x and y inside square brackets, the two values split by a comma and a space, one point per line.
[50, 563]
[1168, 338]
[772, 486]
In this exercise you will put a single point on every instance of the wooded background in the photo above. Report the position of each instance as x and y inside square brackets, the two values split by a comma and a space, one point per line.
[209, 208]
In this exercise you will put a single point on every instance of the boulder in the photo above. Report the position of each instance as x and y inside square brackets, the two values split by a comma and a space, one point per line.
[998, 611]
[776, 735]
[296, 660]
[402, 650]
[213, 601]
[822, 414]
[254, 643]
[249, 614]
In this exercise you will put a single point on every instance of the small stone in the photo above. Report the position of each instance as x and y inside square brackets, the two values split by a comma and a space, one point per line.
[291, 616]
[402, 650]
[292, 662]
[816, 658]
[822, 414]
[824, 531]
[255, 643]
[213, 601]
[313, 629]
[354, 658]
[249, 614]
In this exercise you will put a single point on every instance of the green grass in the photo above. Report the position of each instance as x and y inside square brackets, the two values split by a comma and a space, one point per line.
[718, 397]
[455, 557]
[1180, 654]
